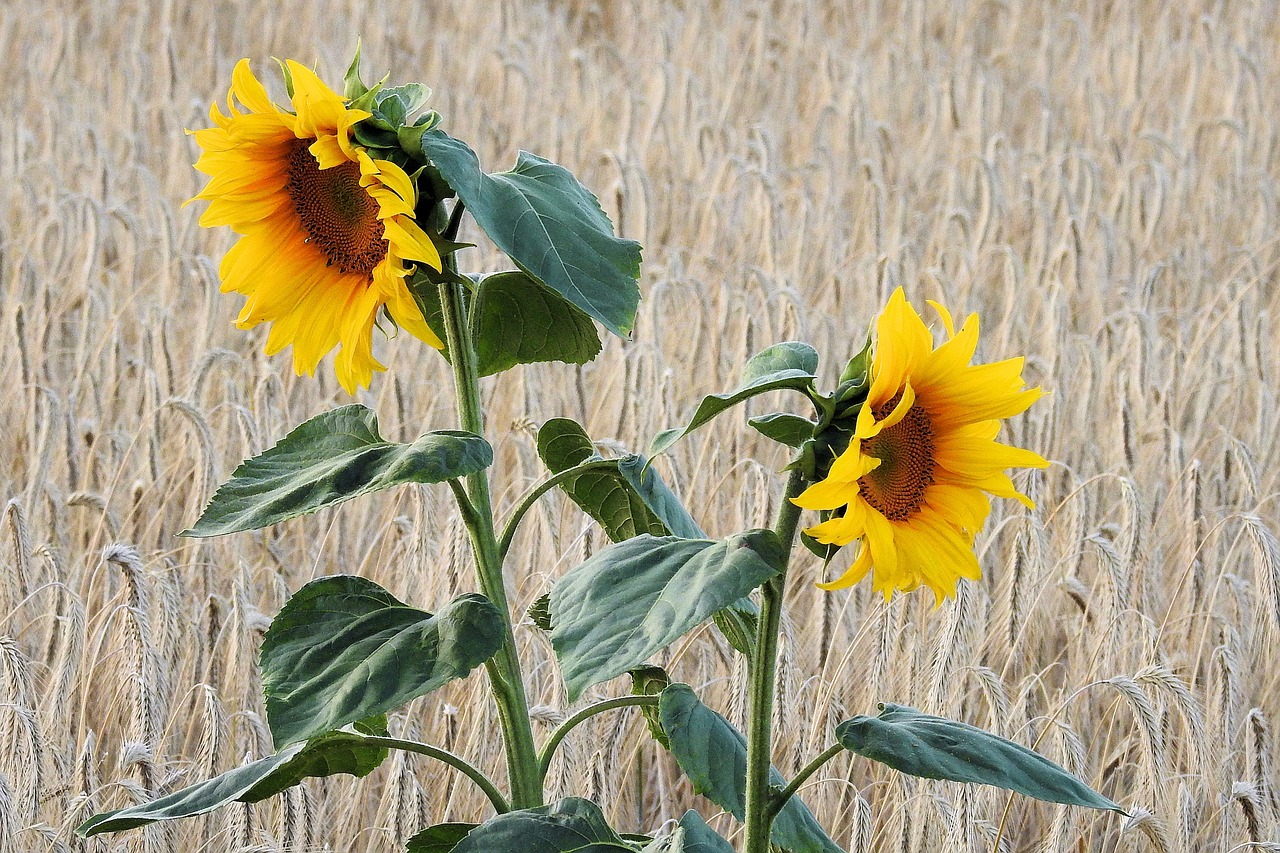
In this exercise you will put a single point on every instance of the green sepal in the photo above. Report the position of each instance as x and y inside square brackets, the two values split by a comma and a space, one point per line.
[651, 681]
[329, 754]
[784, 428]
[441, 838]
[626, 499]
[858, 369]
[791, 365]
[937, 748]
[352, 86]
[426, 294]
[287, 75]
[713, 755]
[516, 320]
[634, 598]
[548, 223]
[329, 459]
[343, 649]
[573, 825]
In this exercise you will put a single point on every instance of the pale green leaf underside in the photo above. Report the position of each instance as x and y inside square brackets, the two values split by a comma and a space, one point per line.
[343, 649]
[332, 753]
[329, 459]
[937, 748]
[634, 598]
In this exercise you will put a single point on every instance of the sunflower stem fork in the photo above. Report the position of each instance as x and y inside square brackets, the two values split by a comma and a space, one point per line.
[760, 806]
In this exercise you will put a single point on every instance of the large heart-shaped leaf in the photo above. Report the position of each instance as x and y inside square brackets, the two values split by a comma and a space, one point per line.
[329, 459]
[626, 499]
[517, 320]
[343, 648]
[550, 225]
[789, 365]
[937, 748]
[636, 597]
[691, 836]
[572, 825]
[713, 754]
[327, 755]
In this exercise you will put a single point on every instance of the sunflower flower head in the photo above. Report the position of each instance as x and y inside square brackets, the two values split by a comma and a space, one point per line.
[913, 484]
[327, 233]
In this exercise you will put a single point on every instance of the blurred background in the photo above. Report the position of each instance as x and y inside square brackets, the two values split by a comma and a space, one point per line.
[1098, 180]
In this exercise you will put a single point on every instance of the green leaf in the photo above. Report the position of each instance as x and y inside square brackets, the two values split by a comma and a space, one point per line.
[426, 294]
[550, 225]
[937, 748]
[784, 428]
[691, 836]
[636, 597]
[625, 502]
[540, 612]
[327, 755]
[737, 623]
[786, 366]
[343, 649]
[651, 681]
[441, 838]
[352, 86]
[519, 321]
[329, 459]
[713, 754]
[572, 825]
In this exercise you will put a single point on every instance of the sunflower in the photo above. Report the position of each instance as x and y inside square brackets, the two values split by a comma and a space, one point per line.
[327, 233]
[915, 478]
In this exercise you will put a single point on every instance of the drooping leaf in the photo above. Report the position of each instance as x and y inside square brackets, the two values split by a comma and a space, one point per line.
[651, 681]
[550, 225]
[441, 838]
[937, 748]
[343, 649]
[691, 836]
[329, 459]
[572, 825]
[625, 499]
[517, 320]
[632, 599]
[713, 754]
[790, 365]
[327, 755]
[784, 428]
[737, 623]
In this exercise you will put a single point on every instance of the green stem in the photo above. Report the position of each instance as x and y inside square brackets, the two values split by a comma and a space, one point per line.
[549, 749]
[809, 769]
[504, 670]
[509, 529]
[759, 806]
[455, 761]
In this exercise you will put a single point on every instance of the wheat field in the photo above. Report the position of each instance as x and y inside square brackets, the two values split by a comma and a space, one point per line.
[1099, 180]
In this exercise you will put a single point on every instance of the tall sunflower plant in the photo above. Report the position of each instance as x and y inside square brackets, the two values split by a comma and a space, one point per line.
[348, 209]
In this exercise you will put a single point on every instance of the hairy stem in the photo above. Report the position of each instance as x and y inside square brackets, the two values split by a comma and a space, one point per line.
[505, 675]
[809, 769]
[759, 806]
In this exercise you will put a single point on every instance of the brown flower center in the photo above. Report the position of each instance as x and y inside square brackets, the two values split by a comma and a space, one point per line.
[905, 450]
[339, 216]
